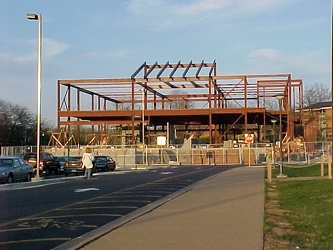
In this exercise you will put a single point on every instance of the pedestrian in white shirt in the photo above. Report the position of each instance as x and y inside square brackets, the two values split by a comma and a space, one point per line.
[87, 162]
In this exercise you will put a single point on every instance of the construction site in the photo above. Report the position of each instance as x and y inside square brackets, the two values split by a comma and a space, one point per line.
[178, 100]
[179, 105]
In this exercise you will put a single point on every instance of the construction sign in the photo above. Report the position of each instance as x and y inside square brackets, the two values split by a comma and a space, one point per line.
[249, 138]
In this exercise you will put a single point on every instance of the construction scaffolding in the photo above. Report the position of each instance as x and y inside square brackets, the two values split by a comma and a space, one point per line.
[164, 99]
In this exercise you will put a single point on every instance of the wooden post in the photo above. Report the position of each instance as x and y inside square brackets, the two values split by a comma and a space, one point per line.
[330, 167]
[269, 169]
[322, 165]
[249, 154]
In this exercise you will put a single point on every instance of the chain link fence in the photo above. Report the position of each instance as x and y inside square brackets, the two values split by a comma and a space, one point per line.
[133, 157]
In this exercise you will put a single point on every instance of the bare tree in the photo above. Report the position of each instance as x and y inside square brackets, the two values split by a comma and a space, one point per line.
[180, 102]
[124, 106]
[17, 125]
[316, 93]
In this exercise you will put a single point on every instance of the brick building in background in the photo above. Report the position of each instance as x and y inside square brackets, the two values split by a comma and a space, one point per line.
[317, 120]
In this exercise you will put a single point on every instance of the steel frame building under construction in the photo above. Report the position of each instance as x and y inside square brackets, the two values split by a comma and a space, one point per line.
[158, 97]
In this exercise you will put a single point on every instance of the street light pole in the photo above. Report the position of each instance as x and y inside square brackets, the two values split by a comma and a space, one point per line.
[38, 17]
[280, 98]
[143, 124]
[330, 166]
[273, 121]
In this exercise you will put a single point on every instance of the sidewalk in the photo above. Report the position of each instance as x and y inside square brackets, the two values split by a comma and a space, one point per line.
[225, 211]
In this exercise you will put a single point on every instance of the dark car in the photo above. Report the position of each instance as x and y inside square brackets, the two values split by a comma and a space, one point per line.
[63, 160]
[47, 162]
[104, 163]
[13, 168]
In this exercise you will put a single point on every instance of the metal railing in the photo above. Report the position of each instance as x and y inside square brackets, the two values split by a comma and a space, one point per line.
[135, 156]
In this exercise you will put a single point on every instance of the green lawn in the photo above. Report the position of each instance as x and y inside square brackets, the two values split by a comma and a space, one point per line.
[299, 213]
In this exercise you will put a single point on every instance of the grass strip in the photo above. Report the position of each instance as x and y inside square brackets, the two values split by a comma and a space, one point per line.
[299, 214]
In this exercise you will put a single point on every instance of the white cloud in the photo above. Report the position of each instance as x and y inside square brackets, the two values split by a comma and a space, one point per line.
[11, 58]
[166, 14]
[174, 8]
[306, 65]
[117, 54]
[203, 5]
[259, 5]
[146, 7]
[53, 48]
[269, 54]
[230, 6]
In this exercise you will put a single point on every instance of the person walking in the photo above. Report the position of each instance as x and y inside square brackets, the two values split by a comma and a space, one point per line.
[87, 162]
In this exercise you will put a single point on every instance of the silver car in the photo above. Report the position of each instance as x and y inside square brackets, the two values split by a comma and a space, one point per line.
[13, 168]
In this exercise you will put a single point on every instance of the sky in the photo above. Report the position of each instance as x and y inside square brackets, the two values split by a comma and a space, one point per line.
[112, 38]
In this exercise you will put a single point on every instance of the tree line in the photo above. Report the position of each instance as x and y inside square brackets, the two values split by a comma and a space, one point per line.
[18, 125]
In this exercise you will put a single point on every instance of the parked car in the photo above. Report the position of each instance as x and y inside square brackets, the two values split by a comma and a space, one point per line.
[73, 165]
[104, 163]
[47, 162]
[63, 160]
[13, 168]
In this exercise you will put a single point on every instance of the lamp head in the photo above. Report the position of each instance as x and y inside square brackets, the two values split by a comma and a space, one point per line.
[31, 16]
[279, 97]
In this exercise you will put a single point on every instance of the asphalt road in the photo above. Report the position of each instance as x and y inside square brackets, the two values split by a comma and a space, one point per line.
[45, 214]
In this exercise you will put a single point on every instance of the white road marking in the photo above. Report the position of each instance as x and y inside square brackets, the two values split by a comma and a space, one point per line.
[85, 190]
[166, 172]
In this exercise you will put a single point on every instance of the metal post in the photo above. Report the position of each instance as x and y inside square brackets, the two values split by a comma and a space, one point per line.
[168, 135]
[274, 129]
[143, 125]
[330, 167]
[322, 165]
[280, 98]
[39, 85]
[249, 144]
[68, 150]
[269, 169]
[280, 138]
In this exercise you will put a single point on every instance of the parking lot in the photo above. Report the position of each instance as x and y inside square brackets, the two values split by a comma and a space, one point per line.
[44, 214]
